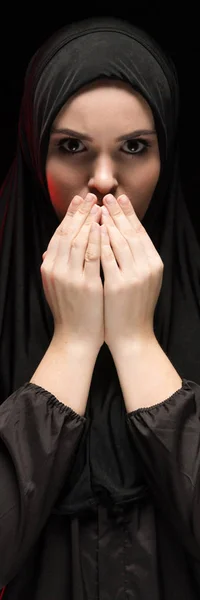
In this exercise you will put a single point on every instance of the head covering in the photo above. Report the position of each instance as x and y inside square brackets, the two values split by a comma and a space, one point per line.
[106, 465]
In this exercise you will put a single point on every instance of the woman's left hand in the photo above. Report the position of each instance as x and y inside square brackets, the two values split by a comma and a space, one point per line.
[133, 272]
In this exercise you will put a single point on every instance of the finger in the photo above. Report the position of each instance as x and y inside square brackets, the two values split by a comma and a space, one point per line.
[125, 209]
[140, 243]
[93, 214]
[108, 261]
[73, 206]
[71, 211]
[83, 213]
[79, 243]
[119, 218]
[148, 247]
[53, 244]
[93, 251]
[60, 242]
[121, 249]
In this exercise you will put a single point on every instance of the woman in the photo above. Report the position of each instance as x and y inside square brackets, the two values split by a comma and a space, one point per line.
[100, 384]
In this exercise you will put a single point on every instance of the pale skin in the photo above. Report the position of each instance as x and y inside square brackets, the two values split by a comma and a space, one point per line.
[133, 270]
[103, 111]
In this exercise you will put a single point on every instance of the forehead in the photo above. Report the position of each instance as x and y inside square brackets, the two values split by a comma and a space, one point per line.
[106, 100]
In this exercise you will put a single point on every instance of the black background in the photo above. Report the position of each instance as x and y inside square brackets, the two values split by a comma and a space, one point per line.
[174, 26]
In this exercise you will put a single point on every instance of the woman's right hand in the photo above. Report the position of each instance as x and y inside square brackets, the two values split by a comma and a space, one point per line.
[71, 277]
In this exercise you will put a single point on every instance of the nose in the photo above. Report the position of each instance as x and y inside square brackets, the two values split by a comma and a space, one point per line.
[103, 180]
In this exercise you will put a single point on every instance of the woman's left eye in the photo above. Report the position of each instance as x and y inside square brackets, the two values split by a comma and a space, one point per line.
[136, 146]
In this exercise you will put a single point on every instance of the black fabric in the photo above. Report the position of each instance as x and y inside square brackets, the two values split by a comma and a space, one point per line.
[107, 467]
[147, 549]
[39, 437]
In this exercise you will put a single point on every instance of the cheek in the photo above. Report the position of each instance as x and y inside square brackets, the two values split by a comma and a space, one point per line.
[62, 185]
[144, 182]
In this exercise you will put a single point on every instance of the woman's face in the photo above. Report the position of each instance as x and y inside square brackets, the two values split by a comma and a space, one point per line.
[103, 141]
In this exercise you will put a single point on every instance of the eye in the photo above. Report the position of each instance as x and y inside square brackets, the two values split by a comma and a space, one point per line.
[136, 146]
[70, 146]
[75, 146]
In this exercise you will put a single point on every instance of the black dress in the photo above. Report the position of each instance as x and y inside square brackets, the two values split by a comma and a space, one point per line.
[149, 550]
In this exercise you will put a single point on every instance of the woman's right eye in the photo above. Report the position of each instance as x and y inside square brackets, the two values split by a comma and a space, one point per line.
[70, 146]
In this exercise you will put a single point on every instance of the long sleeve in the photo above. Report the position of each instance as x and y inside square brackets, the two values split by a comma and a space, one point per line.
[38, 439]
[167, 437]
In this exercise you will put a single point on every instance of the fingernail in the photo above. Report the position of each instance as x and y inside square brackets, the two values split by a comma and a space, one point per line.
[76, 201]
[123, 200]
[110, 199]
[90, 197]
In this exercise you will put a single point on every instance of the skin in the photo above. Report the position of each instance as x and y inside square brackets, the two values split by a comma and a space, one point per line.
[103, 110]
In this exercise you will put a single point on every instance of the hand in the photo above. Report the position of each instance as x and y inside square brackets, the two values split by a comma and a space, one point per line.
[71, 277]
[133, 272]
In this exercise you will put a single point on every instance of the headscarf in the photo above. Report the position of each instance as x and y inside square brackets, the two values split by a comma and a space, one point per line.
[106, 466]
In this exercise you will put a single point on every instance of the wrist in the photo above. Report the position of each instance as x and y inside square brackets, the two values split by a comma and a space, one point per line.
[136, 345]
[82, 349]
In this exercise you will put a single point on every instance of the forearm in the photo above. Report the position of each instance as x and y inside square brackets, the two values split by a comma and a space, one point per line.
[66, 372]
[146, 375]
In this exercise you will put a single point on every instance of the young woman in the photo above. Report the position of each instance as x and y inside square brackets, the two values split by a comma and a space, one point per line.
[99, 330]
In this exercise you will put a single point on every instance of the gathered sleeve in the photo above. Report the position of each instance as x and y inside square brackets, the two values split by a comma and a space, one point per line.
[167, 437]
[39, 437]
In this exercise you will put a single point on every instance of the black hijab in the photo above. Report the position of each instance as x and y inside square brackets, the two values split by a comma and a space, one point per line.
[106, 464]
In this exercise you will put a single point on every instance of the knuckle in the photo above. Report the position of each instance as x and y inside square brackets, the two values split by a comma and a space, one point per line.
[45, 268]
[62, 231]
[82, 209]
[57, 272]
[138, 229]
[71, 229]
[76, 243]
[91, 254]
[56, 276]
[70, 213]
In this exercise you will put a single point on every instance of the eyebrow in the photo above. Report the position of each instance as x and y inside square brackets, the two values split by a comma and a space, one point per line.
[82, 136]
